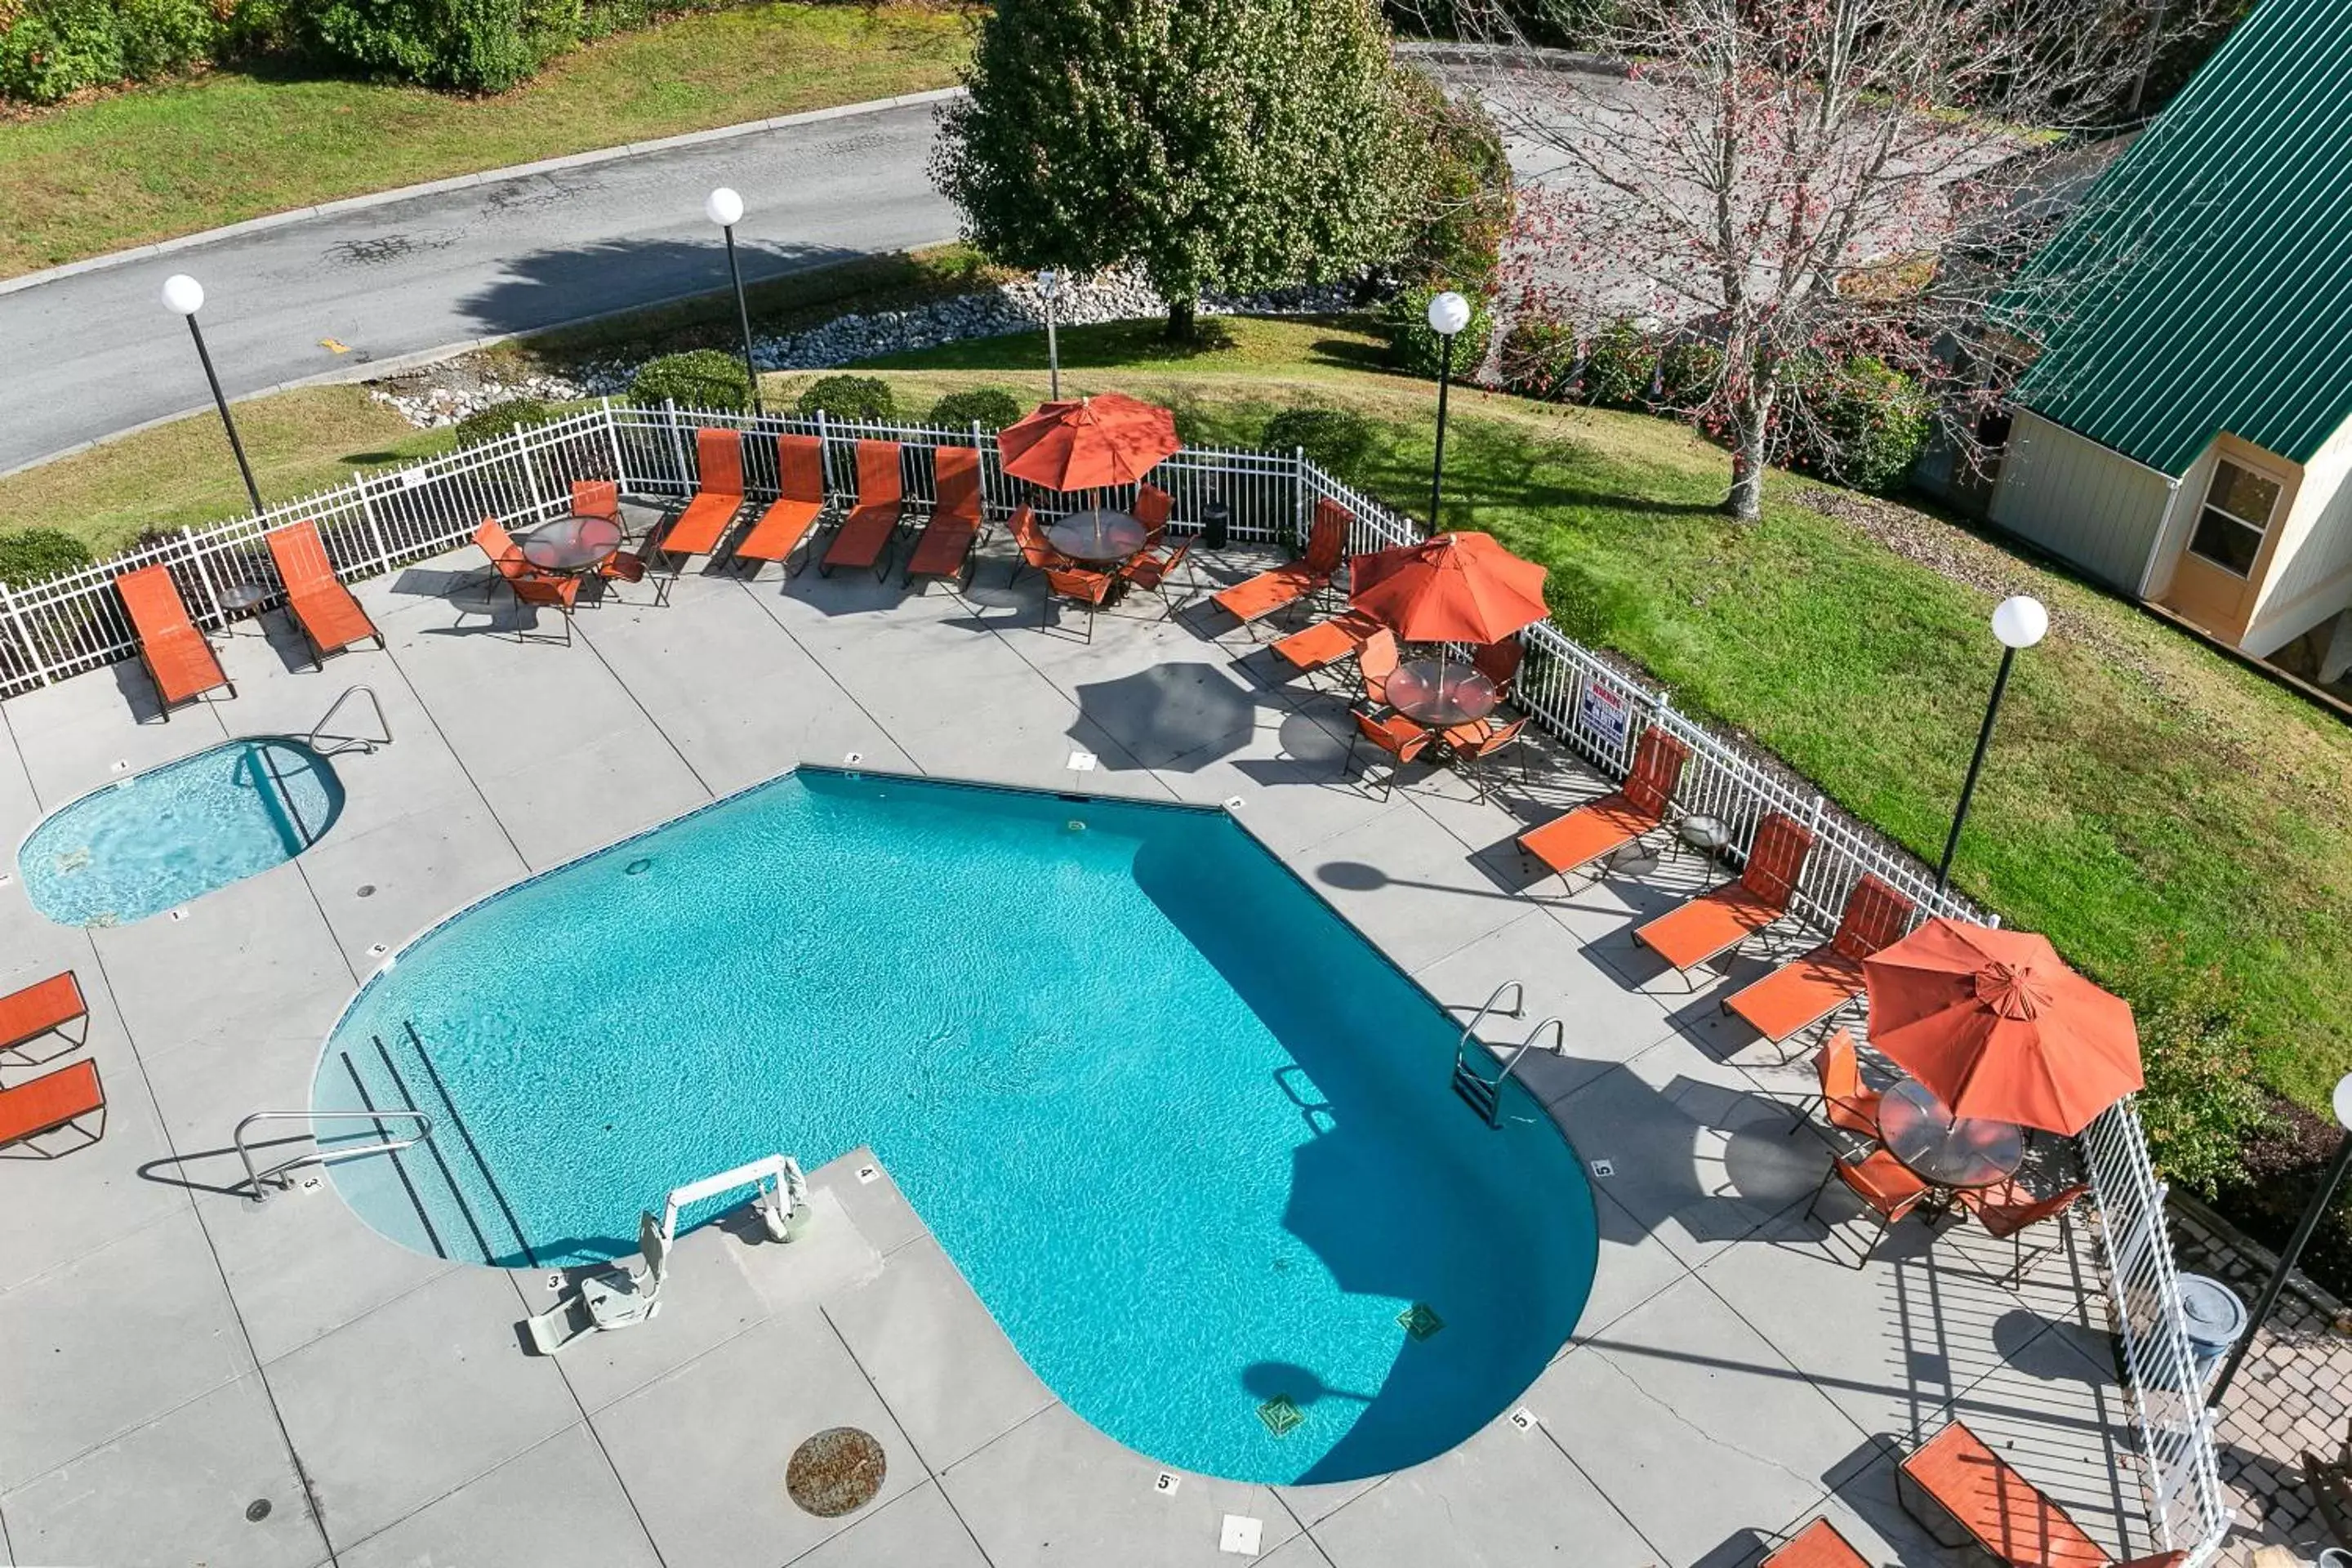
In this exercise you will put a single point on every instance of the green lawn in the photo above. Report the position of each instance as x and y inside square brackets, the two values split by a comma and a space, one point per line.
[150, 163]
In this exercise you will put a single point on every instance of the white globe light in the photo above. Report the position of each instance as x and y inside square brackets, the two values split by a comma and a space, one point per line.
[2019, 621]
[723, 207]
[183, 294]
[2344, 1100]
[1448, 314]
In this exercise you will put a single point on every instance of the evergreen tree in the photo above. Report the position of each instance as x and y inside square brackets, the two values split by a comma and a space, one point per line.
[1231, 145]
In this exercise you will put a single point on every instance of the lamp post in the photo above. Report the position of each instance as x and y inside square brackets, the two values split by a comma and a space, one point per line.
[2018, 622]
[1048, 285]
[725, 209]
[1448, 314]
[184, 295]
[2342, 1104]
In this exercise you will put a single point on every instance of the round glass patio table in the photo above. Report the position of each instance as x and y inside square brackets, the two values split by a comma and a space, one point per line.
[1944, 1150]
[1099, 536]
[1438, 692]
[570, 544]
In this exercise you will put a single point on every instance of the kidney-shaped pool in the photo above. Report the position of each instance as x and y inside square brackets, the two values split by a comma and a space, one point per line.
[1187, 1135]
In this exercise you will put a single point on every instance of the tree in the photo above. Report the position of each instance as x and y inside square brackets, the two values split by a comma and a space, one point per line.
[1801, 179]
[1227, 145]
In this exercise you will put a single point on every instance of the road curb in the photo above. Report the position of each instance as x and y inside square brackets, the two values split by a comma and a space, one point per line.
[458, 183]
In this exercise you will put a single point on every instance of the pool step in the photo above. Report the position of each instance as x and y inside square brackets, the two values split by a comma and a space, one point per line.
[1482, 1095]
[460, 1208]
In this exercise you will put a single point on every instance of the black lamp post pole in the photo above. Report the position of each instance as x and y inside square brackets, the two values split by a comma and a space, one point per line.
[1437, 466]
[235, 446]
[742, 316]
[1976, 766]
[2269, 1298]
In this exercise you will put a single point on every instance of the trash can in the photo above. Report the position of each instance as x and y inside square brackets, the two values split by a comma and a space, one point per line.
[2216, 1317]
[1216, 523]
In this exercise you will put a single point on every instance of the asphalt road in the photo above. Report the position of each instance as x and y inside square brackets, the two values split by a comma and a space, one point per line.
[95, 353]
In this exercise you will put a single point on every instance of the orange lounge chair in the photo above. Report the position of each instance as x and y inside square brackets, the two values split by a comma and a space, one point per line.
[1326, 643]
[1966, 1494]
[1717, 921]
[529, 585]
[800, 501]
[1566, 845]
[1818, 1546]
[718, 496]
[867, 534]
[1259, 596]
[951, 534]
[178, 658]
[329, 617]
[51, 1101]
[1798, 995]
[43, 1008]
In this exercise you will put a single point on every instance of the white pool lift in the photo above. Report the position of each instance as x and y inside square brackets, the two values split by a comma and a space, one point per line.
[624, 1298]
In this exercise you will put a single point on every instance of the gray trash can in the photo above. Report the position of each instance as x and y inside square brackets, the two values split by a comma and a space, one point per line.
[2216, 1317]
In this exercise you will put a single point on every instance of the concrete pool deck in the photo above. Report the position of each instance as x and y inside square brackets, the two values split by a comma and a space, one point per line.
[171, 1352]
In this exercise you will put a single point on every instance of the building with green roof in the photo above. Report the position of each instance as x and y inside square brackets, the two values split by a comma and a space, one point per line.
[2185, 432]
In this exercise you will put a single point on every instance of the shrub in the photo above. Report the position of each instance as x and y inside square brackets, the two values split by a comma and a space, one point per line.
[30, 555]
[1334, 439]
[53, 47]
[1864, 421]
[488, 424]
[863, 398]
[474, 46]
[2201, 1103]
[1540, 356]
[991, 407]
[1688, 368]
[1413, 348]
[1463, 209]
[700, 378]
[1620, 365]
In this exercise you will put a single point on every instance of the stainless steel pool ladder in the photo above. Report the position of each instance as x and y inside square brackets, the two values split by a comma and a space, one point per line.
[318, 729]
[1483, 1094]
[260, 1182]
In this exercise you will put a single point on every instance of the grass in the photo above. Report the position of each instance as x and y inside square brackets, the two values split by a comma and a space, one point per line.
[150, 163]
[2156, 809]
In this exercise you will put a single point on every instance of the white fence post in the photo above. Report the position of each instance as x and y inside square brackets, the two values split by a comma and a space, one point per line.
[612, 437]
[204, 574]
[24, 634]
[367, 515]
[676, 446]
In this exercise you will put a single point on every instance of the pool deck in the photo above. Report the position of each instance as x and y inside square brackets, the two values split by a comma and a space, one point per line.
[171, 1352]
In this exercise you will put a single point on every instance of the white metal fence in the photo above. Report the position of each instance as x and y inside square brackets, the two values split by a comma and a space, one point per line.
[378, 520]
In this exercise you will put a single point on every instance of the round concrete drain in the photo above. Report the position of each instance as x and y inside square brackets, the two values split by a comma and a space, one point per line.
[836, 1472]
[257, 1511]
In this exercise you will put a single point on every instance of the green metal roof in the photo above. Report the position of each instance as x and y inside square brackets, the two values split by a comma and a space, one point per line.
[2205, 283]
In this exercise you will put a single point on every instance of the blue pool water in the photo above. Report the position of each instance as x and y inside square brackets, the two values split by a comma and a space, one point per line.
[1189, 1138]
[157, 839]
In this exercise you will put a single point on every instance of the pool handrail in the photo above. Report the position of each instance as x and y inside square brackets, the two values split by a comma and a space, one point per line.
[258, 1180]
[318, 729]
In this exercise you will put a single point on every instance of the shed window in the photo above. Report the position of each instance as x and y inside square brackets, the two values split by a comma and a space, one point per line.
[2237, 513]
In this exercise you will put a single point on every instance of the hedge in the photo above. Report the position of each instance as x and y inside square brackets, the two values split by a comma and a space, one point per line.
[859, 398]
[700, 378]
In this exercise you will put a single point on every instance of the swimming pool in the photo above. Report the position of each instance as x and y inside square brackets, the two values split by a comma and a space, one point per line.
[155, 840]
[1189, 1138]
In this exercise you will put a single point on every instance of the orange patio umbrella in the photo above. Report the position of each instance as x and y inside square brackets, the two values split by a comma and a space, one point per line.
[1998, 1026]
[1088, 443]
[1450, 587]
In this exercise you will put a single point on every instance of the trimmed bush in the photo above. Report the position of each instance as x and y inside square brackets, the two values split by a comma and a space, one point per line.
[1867, 422]
[1334, 439]
[50, 48]
[1414, 349]
[1620, 365]
[991, 407]
[865, 399]
[700, 378]
[498, 419]
[1540, 357]
[30, 555]
[472, 45]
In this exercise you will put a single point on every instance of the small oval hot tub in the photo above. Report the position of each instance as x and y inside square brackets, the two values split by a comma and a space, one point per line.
[157, 839]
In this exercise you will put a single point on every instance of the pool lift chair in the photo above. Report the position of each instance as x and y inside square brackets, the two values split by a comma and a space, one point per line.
[624, 1298]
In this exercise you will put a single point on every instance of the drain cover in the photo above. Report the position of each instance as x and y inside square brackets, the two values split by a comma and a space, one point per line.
[1281, 1414]
[836, 1472]
[257, 1511]
[1420, 1321]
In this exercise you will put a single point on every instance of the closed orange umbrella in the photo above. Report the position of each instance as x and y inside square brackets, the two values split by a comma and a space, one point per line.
[1450, 587]
[1088, 443]
[1995, 1023]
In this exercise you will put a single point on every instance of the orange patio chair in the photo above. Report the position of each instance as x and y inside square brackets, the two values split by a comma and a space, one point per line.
[867, 534]
[793, 516]
[330, 619]
[2007, 1209]
[1818, 1546]
[1326, 643]
[1080, 585]
[51, 1102]
[1809, 990]
[1153, 508]
[1596, 831]
[626, 566]
[1152, 573]
[599, 497]
[1499, 662]
[1715, 924]
[178, 658]
[1256, 598]
[718, 496]
[529, 585]
[1884, 1183]
[1968, 1495]
[1397, 735]
[1375, 662]
[1476, 740]
[950, 542]
[1846, 1103]
[1038, 552]
[45, 1007]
